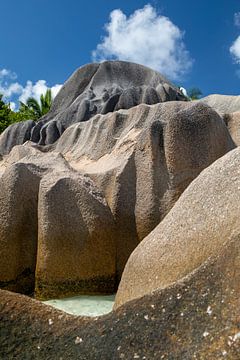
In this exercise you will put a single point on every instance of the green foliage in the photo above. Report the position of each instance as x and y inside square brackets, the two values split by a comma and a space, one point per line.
[5, 111]
[31, 110]
[20, 116]
[194, 93]
[36, 109]
[26, 112]
[9, 117]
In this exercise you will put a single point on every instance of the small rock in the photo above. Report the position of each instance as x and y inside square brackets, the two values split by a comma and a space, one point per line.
[78, 340]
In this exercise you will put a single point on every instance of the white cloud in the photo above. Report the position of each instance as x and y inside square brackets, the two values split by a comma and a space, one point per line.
[4, 72]
[235, 50]
[8, 90]
[237, 19]
[235, 47]
[12, 105]
[147, 38]
[7, 73]
[11, 89]
[37, 89]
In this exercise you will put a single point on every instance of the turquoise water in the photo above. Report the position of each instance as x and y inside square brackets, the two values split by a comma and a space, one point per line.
[84, 304]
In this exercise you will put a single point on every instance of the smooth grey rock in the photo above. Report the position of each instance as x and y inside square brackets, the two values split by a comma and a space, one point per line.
[223, 104]
[15, 134]
[94, 89]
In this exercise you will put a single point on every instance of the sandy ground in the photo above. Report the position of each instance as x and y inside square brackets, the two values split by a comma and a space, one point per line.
[84, 305]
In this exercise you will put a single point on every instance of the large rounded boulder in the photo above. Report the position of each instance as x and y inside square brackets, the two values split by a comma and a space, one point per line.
[76, 238]
[223, 104]
[143, 159]
[203, 222]
[195, 318]
[140, 160]
[57, 233]
[140, 148]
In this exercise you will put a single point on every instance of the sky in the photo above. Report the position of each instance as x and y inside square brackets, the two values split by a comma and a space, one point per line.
[192, 43]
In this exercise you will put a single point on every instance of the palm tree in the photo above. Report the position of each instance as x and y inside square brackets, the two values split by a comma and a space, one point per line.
[194, 93]
[36, 109]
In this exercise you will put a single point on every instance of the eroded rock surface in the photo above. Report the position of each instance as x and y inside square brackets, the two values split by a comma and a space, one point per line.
[196, 318]
[93, 89]
[223, 104]
[77, 199]
[15, 134]
[84, 204]
[203, 222]
[232, 121]
[57, 232]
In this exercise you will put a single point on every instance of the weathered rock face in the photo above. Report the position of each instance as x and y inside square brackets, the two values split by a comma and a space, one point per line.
[15, 134]
[196, 318]
[139, 161]
[93, 89]
[223, 104]
[55, 217]
[74, 208]
[233, 124]
[76, 238]
[146, 157]
[18, 229]
[202, 225]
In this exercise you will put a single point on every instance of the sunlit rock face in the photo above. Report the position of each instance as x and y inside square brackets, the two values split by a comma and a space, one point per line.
[232, 121]
[146, 191]
[57, 231]
[93, 89]
[203, 225]
[78, 210]
[223, 104]
[197, 317]
[79, 198]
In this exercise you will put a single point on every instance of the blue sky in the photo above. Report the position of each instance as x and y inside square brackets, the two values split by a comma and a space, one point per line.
[189, 41]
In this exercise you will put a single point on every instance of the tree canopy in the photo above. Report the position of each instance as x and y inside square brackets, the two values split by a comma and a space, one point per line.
[35, 108]
[194, 93]
[31, 110]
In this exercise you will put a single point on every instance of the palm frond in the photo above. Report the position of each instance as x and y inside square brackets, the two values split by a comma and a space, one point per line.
[34, 105]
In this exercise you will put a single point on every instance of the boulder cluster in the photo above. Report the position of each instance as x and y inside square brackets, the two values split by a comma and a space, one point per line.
[123, 181]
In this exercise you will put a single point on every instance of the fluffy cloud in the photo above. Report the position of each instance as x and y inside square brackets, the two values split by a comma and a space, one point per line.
[235, 47]
[146, 38]
[35, 90]
[235, 50]
[7, 74]
[237, 19]
[12, 105]
[10, 89]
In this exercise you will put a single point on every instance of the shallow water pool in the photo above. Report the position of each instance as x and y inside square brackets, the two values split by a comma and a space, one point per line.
[87, 305]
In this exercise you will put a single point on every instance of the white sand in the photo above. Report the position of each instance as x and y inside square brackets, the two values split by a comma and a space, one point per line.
[84, 305]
